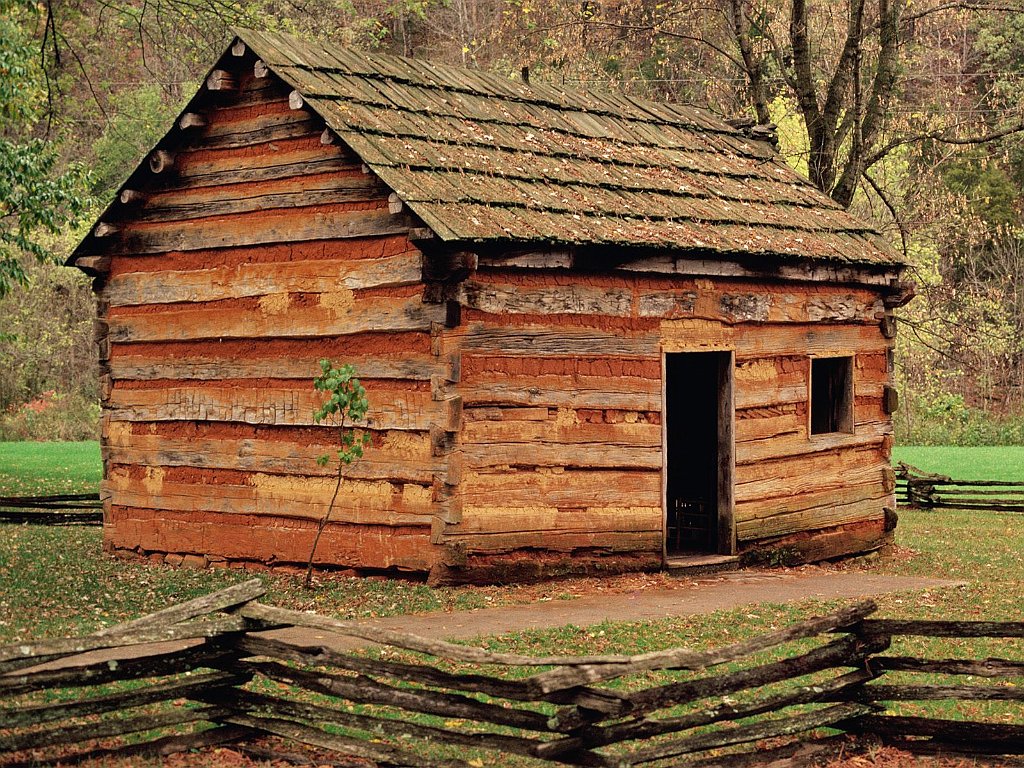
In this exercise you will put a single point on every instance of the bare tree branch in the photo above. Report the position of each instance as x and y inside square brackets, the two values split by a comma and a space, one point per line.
[897, 219]
[752, 66]
[942, 137]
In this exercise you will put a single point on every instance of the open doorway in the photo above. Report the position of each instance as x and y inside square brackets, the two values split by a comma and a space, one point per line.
[698, 453]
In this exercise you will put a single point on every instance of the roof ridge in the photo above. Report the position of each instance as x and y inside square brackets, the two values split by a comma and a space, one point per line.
[685, 115]
[619, 169]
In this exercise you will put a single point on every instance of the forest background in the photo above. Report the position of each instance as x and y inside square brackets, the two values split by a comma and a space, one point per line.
[909, 112]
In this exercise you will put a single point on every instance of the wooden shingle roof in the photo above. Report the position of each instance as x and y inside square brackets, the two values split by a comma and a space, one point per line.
[482, 158]
[479, 157]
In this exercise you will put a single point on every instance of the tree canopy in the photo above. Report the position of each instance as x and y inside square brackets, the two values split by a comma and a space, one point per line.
[908, 113]
[38, 192]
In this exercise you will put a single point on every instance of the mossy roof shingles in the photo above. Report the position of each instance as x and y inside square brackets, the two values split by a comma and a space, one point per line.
[479, 157]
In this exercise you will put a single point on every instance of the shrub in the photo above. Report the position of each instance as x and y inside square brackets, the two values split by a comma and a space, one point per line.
[945, 419]
[52, 416]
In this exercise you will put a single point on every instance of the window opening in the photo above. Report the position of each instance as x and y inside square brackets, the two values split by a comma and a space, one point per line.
[831, 395]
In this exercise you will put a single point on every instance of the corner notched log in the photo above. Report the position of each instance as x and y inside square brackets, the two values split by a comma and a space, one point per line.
[192, 120]
[131, 196]
[161, 161]
[221, 80]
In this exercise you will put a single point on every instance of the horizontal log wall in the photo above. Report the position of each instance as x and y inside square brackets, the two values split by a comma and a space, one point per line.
[259, 252]
[561, 446]
[253, 249]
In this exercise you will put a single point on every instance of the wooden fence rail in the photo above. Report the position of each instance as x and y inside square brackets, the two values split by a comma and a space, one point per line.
[916, 488]
[53, 509]
[208, 672]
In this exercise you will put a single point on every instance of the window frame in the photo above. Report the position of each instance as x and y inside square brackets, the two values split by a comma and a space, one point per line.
[846, 420]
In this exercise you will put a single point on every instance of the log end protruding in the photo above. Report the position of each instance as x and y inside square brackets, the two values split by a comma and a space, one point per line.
[888, 326]
[93, 265]
[395, 204]
[161, 161]
[192, 120]
[890, 399]
[238, 49]
[295, 100]
[221, 80]
[899, 293]
[130, 196]
[327, 137]
[103, 229]
[260, 70]
[450, 266]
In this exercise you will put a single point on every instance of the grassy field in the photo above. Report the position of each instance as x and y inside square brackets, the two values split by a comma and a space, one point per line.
[981, 463]
[38, 468]
[56, 581]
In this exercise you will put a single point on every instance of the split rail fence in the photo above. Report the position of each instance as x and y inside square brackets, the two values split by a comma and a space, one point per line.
[916, 488]
[54, 509]
[209, 672]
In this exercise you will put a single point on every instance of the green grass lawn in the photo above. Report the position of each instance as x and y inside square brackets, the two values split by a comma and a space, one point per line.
[975, 463]
[49, 468]
[56, 581]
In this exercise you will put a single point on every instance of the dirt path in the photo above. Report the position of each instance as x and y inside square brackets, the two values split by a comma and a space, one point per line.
[704, 595]
[689, 597]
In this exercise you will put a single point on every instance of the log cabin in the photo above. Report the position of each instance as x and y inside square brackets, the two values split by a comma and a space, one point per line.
[598, 333]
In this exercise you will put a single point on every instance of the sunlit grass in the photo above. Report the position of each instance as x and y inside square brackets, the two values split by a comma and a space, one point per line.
[57, 581]
[49, 468]
[974, 463]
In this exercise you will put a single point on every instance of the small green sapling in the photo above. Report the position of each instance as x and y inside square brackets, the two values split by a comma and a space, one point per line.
[345, 405]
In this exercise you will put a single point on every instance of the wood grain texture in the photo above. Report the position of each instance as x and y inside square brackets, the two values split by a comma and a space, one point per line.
[295, 406]
[537, 519]
[558, 541]
[271, 539]
[227, 282]
[503, 292]
[819, 273]
[335, 314]
[559, 454]
[241, 198]
[858, 489]
[567, 430]
[228, 132]
[258, 160]
[772, 340]
[553, 299]
[262, 227]
[373, 502]
[799, 475]
[535, 339]
[871, 434]
[403, 457]
[823, 516]
[560, 488]
[625, 392]
[208, 367]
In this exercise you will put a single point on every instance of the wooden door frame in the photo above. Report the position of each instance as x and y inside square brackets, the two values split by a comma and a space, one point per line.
[726, 540]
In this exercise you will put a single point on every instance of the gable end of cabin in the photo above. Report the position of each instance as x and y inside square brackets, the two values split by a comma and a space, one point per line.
[248, 246]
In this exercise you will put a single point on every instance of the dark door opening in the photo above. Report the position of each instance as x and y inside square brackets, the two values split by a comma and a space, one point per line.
[698, 399]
